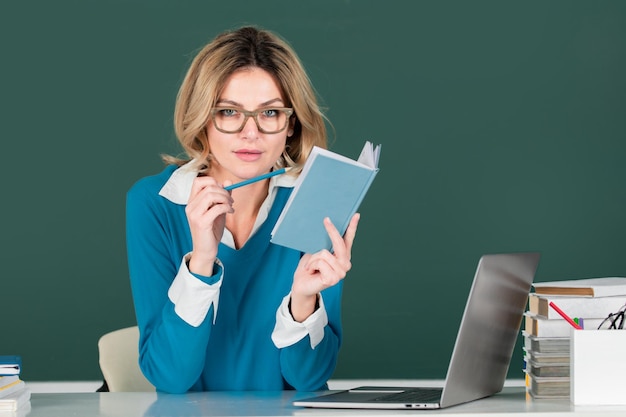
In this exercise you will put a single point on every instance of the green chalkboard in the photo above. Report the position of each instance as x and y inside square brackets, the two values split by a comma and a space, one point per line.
[503, 127]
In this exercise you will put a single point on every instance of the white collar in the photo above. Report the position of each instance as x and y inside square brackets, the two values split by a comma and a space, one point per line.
[177, 189]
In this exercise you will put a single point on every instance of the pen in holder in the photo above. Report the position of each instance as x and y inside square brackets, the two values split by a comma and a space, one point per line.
[565, 316]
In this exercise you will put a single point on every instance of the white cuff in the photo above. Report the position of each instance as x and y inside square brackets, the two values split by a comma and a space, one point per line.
[192, 297]
[288, 331]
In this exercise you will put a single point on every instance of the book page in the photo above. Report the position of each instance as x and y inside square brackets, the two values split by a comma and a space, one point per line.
[369, 155]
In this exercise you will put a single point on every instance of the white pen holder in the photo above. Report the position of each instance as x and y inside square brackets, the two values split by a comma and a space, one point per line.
[598, 367]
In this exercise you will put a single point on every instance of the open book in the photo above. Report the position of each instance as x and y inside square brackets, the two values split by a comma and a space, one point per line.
[330, 185]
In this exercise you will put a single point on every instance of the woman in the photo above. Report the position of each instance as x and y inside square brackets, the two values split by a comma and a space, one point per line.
[218, 306]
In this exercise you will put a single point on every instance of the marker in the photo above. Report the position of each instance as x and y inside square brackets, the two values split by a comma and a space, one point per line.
[565, 316]
[255, 179]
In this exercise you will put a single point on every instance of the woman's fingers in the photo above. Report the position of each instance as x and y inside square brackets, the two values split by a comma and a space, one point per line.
[351, 231]
[206, 194]
[342, 246]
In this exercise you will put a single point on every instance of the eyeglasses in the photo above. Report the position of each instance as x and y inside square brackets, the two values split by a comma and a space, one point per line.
[268, 120]
[614, 320]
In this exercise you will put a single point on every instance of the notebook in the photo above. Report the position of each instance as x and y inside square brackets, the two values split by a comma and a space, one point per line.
[482, 352]
[330, 185]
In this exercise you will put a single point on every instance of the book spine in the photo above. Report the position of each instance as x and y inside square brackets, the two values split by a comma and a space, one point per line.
[593, 287]
[16, 400]
[11, 388]
[8, 380]
[542, 327]
[358, 202]
[581, 307]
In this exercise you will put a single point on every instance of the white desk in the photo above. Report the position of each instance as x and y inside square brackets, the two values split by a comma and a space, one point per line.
[511, 401]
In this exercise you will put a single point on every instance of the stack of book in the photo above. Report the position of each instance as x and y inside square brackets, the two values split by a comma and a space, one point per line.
[588, 302]
[14, 394]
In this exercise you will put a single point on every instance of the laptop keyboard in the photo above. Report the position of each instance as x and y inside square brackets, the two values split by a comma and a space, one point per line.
[420, 395]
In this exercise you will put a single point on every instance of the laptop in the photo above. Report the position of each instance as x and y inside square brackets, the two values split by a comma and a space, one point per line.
[483, 349]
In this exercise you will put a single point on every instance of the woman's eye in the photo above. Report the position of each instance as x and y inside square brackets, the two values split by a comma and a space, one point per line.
[228, 112]
[270, 113]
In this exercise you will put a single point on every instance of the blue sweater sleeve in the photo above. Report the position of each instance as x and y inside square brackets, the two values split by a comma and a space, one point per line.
[307, 369]
[171, 352]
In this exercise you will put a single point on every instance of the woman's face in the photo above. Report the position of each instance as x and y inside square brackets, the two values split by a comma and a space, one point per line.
[246, 154]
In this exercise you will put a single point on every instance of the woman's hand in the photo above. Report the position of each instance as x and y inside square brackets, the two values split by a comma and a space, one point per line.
[321, 270]
[206, 213]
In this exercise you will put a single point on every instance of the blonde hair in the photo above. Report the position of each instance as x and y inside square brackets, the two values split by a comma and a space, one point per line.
[205, 80]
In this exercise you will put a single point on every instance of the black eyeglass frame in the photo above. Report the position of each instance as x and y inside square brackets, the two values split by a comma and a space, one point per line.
[613, 319]
[254, 114]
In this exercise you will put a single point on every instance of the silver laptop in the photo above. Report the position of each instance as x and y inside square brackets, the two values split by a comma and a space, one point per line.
[482, 351]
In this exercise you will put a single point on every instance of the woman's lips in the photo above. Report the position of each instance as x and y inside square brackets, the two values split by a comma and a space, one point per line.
[248, 155]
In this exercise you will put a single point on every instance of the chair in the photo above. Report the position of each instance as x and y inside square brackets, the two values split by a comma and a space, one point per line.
[119, 361]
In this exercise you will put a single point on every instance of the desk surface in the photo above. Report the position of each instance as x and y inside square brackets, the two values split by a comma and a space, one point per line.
[509, 401]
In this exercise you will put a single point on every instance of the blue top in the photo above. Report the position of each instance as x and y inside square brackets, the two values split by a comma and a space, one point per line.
[233, 350]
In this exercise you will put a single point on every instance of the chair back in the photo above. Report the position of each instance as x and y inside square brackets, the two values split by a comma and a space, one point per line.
[119, 361]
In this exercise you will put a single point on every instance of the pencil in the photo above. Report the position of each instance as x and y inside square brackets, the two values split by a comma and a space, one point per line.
[255, 179]
[565, 316]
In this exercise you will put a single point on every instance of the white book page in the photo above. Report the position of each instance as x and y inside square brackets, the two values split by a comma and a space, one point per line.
[369, 155]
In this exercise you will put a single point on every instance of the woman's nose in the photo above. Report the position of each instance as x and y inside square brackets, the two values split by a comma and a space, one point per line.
[250, 129]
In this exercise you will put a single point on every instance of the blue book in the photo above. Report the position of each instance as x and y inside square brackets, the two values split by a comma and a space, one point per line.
[330, 185]
[10, 365]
